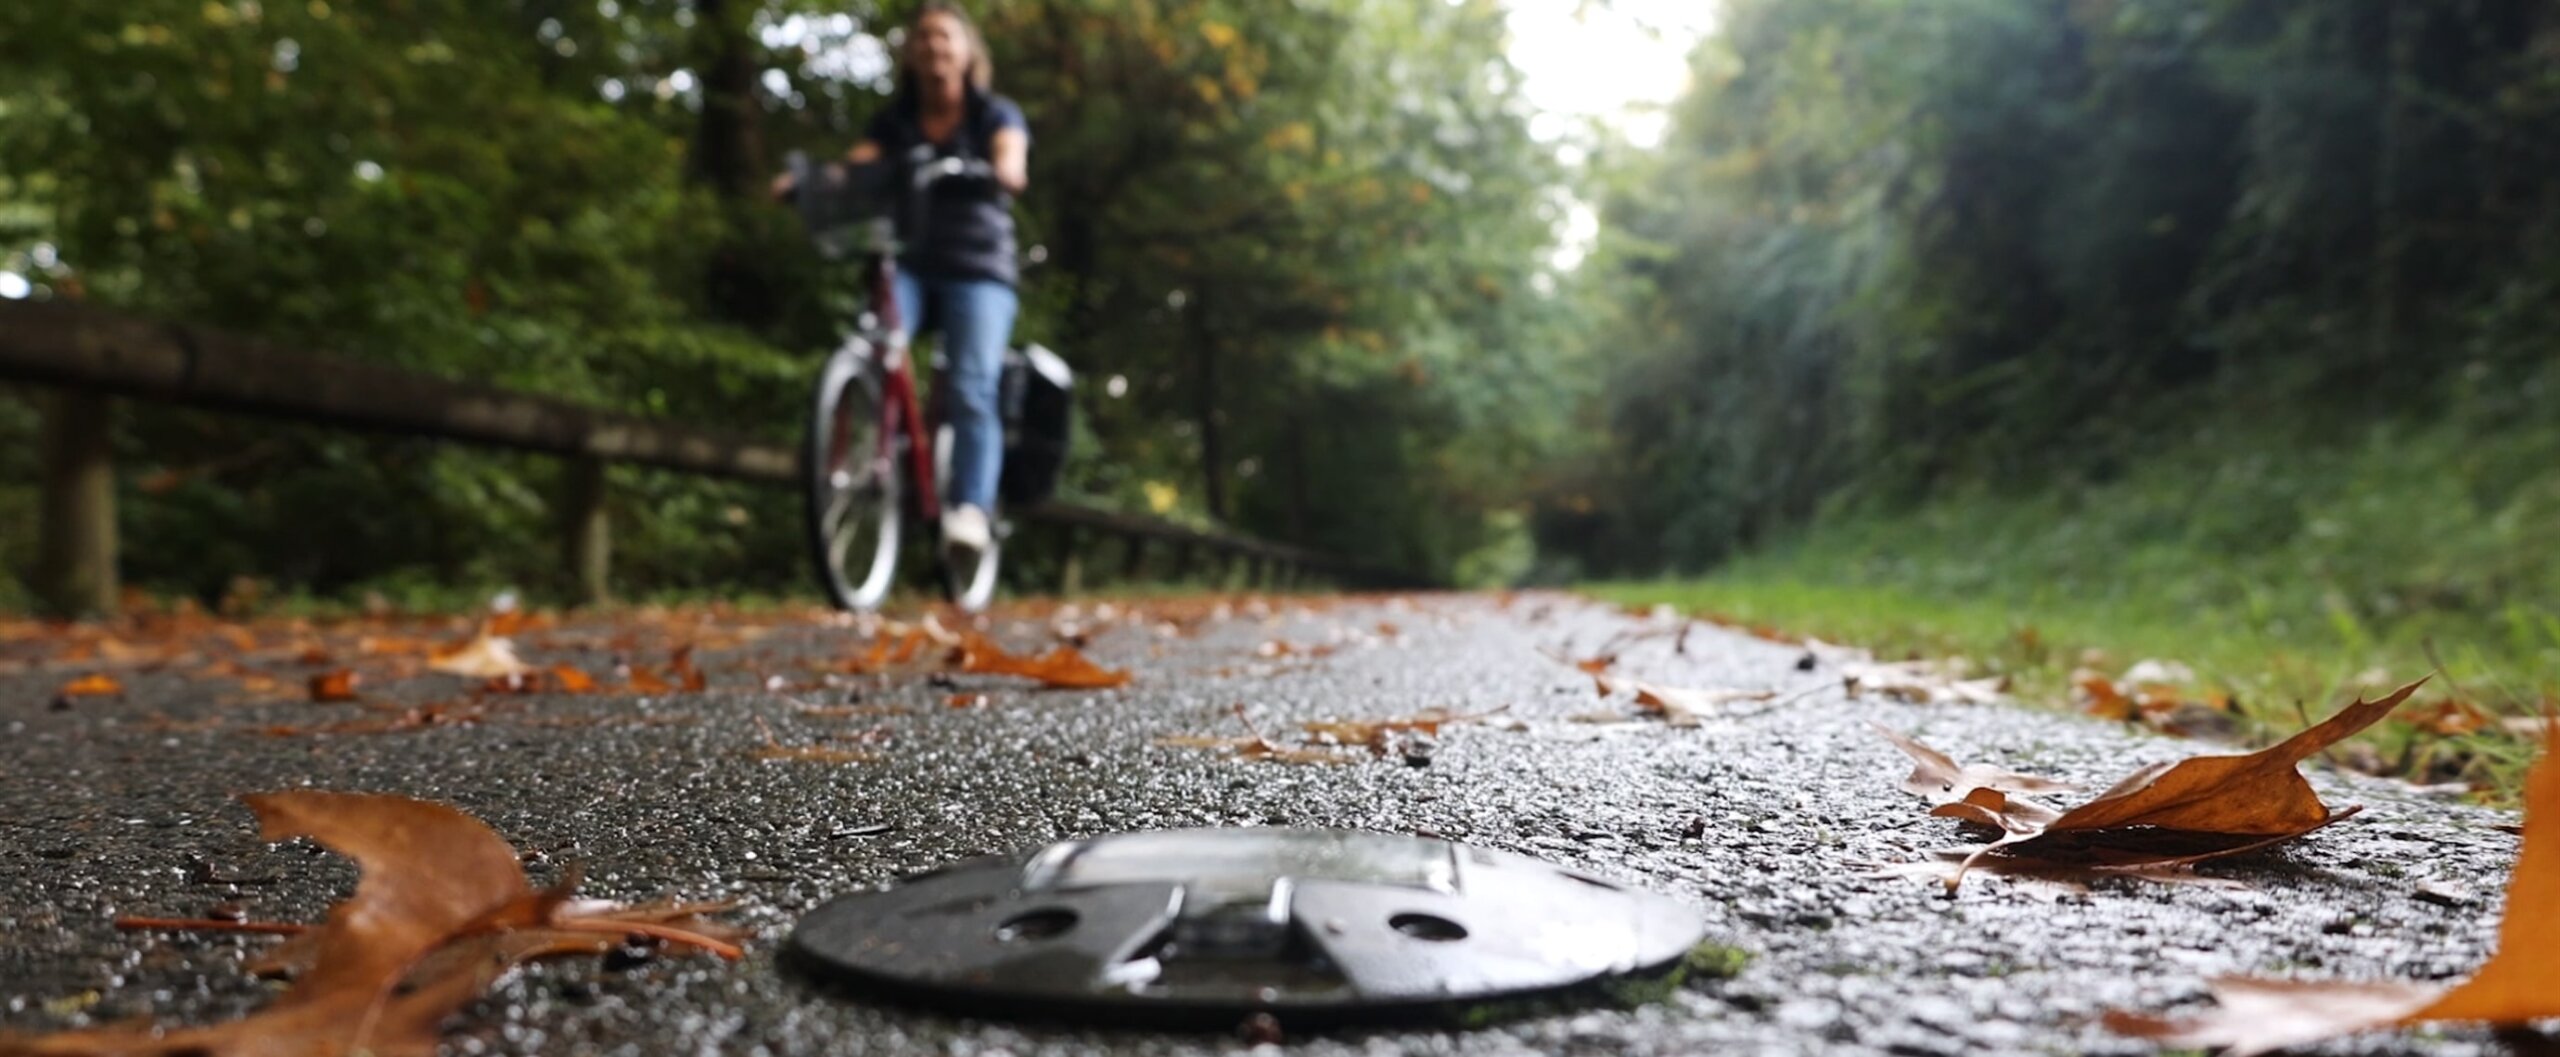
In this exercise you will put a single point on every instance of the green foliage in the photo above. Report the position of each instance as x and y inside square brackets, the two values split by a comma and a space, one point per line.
[1309, 236]
[2283, 579]
[1897, 250]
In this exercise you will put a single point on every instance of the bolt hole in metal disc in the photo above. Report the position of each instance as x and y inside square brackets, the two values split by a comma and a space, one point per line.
[1041, 924]
[1426, 927]
[1204, 927]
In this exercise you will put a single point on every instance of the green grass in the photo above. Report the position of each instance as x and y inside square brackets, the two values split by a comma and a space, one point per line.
[2287, 575]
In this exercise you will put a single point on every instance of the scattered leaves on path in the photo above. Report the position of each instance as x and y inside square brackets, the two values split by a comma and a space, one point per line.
[1919, 682]
[1060, 668]
[1255, 746]
[2513, 988]
[1674, 705]
[1334, 741]
[2166, 814]
[2155, 694]
[1382, 736]
[442, 910]
[484, 656]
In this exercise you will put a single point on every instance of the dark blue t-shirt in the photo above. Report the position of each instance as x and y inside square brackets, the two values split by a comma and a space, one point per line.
[969, 232]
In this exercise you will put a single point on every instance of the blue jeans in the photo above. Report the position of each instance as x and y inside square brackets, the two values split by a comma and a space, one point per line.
[975, 317]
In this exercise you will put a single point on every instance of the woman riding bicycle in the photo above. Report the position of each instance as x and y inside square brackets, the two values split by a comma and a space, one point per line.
[961, 273]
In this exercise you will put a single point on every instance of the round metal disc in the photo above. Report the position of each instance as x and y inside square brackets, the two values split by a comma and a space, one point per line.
[1206, 924]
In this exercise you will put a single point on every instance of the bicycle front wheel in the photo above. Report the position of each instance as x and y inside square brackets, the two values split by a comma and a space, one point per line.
[968, 576]
[849, 473]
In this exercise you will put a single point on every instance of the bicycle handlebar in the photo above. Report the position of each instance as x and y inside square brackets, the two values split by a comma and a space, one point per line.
[938, 170]
[833, 197]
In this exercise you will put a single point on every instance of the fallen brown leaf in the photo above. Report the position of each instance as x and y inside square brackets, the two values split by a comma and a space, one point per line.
[482, 657]
[441, 911]
[1976, 793]
[688, 676]
[2452, 717]
[1379, 735]
[442, 714]
[2512, 988]
[569, 680]
[1062, 668]
[339, 685]
[95, 684]
[1918, 682]
[1674, 705]
[1254, 746]
[2166, 814]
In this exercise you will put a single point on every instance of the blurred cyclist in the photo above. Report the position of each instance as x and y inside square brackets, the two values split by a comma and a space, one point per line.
[961, 274]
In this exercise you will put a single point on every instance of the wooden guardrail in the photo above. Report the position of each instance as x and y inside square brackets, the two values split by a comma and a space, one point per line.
[91, 356]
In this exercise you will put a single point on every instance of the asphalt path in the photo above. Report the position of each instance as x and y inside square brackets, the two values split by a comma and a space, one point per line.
[1769, 815]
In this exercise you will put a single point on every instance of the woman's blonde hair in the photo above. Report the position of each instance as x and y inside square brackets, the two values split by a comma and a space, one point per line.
[982, 67]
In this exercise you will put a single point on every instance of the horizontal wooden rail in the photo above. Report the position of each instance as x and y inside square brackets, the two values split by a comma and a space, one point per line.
[90, 353]
[78, 348]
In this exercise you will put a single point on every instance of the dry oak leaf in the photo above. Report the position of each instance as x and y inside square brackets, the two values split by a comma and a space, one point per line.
[483, 657]
[690, 677]
[1062, 668]
[572, 681]
[1918, 683]
[1674, 705]
[1254, 746]
[441, 911]
[1379, 735]
[95, 684]
[2514, 987]
[1977, 793]
[2172, 814]
[2259, 794]
[333, 686]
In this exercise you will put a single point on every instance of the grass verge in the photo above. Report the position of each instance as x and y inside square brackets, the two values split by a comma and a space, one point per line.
[2285, 582]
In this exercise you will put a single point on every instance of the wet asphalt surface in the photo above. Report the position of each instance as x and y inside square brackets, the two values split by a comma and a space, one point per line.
[1765, 817]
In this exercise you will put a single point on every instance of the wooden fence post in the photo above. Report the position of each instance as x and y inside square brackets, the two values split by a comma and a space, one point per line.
[76, 544]
[1071, 565]
[1133, 562]
[1181, 561]
[587, 533]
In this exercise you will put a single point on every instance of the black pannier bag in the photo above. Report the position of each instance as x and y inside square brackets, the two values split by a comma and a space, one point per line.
[1038, 405]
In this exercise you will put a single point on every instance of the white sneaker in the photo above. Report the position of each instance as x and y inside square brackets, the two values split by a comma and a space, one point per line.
[965, 527]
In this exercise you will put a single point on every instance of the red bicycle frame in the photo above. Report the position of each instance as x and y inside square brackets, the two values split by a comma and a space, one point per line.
[900, 410]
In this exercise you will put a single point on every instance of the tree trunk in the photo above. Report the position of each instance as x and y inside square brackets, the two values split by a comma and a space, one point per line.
[729, 158]
[728, 149]
[2390, 230]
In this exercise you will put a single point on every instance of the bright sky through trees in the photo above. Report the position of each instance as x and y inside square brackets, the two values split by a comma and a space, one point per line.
[1617, 62]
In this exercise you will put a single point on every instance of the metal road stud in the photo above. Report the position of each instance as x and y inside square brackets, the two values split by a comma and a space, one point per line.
[1212, 925]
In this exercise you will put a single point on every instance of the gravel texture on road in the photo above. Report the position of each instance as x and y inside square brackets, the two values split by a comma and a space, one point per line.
[1767, 815]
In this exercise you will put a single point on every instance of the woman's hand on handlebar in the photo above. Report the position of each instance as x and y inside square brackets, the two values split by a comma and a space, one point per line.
[784, 185]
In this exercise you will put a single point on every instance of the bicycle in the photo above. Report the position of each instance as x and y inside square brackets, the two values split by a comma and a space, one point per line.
[873, 457]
